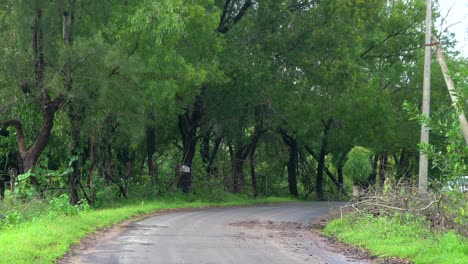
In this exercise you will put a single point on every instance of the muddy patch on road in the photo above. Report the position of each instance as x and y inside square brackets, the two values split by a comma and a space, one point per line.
[305, 241]
[301, 242]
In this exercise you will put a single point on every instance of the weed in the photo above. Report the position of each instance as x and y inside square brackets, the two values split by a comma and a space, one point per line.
[61, 206]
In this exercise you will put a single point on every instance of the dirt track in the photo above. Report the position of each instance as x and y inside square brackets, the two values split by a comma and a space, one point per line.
[259, 235]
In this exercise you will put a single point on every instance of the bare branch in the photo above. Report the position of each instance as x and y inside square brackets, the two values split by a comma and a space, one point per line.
[225, 18]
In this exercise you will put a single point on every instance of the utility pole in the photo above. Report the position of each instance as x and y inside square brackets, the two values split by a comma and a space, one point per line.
[423, 160]
[451, 89]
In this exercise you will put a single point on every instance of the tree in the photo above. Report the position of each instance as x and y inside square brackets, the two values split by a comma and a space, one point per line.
[35, 89]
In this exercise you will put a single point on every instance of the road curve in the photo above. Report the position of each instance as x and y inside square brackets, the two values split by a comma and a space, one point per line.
[267, 234]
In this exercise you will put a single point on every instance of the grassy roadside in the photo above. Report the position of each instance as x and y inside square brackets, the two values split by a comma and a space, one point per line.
[399, 237]
[46, 239]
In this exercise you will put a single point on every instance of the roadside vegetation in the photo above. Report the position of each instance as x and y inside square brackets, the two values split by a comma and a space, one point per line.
[396, 222]
[403, 236]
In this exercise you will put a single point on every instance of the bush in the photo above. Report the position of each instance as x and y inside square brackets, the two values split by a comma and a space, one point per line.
[61, 206]
[16, 211]
[12, 218]
[358, 164]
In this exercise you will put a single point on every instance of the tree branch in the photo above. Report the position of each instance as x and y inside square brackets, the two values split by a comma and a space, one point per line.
[19, 133]
[389, 36]
[223, 27]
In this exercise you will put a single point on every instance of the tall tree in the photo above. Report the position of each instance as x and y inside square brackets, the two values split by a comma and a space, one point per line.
[34, 88]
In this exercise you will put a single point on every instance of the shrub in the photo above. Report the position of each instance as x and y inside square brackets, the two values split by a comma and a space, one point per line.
[61, 206]
[358, 164]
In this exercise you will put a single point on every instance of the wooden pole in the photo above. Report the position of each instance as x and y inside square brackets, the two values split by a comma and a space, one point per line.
[423, 159]
[451, 89]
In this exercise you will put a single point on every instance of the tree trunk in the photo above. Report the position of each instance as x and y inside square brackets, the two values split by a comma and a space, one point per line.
[404, 164]
[208, 155]
[373, 176]
[242, 150]
[13, 173]
[252, 171]
[73, 183]
[127, 176]
[30, 157]
[190, 140]
[327, 171]
[241, 153]
[229, 181]
[209, 167]
[292, 162]
[2, 187]
[383, 168]
[321, 161]
[92, 160]
[150, 150]
[292, 169]
[339, 169]
[74, 176]
[205, 149]
[340, 173]
[185, 180]
[188, 124]
[238, 170]
[253, 175]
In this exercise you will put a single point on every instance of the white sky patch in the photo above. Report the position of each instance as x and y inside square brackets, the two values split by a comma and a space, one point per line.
[456, 14]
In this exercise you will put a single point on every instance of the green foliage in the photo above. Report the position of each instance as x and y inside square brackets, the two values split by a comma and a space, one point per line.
[448, 150]
[11, 218]
[455, 206]
[358, 164]
[16, 211]
[400, 236]
[61, 206]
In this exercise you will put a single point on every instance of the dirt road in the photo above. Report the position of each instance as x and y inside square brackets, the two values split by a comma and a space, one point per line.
[258, 235]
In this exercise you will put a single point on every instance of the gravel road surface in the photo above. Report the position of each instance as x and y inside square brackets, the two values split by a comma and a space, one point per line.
[267, 234]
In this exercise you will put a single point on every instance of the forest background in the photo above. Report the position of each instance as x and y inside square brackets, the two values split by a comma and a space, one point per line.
[244, 96]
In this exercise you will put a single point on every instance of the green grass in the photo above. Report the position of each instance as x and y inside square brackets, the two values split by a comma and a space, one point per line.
[399, 237]
[46, 239]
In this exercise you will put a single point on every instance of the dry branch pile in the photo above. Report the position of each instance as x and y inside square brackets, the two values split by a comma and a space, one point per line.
[443, 210]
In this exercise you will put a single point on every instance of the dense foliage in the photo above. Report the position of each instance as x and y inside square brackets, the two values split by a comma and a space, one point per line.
[107, 99]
